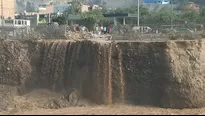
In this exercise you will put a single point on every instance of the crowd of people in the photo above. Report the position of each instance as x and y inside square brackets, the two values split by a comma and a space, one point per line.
[103, 29]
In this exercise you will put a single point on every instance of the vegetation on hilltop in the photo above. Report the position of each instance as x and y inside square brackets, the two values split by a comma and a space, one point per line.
[146, 17]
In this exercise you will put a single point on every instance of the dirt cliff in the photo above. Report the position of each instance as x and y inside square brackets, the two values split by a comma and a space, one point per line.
[164, 74]
[185, 86]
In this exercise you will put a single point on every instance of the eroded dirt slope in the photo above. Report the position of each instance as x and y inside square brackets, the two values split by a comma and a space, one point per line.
[83, 73]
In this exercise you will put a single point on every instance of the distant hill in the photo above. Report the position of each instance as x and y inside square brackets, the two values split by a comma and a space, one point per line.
[159, 7]
[21, 4]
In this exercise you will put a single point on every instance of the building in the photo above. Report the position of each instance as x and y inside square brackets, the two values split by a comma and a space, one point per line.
[157, 1]
[36, 18]
[7, 9]
[112, 4]
[15, 23]
[94, 1]
[162, 1]
[21, 4]
[94, 6]
[60, 8]
[85, 8]
[45, 9]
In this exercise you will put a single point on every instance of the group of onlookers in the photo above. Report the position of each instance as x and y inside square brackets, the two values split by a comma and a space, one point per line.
[103, 29]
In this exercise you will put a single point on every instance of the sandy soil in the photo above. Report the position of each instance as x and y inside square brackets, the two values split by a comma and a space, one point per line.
[183, 55]
[115, 110]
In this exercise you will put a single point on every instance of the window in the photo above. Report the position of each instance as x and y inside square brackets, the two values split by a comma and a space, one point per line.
[19, 22]
[9, 21]
[44, 6]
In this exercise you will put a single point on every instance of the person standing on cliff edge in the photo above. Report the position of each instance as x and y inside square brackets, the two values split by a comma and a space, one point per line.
[105, 29]
[101, 29]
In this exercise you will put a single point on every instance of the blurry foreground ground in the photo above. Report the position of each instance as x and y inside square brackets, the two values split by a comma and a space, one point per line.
[116, 109]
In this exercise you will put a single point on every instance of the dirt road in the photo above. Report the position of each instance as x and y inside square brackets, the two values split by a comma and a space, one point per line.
[116, 109]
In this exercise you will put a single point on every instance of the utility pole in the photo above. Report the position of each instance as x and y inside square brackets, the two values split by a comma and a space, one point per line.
[171, 14]
[138, 10]
[2, 18]
[49, 18]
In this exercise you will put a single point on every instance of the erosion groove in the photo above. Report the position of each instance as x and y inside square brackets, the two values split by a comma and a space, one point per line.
[164, 74]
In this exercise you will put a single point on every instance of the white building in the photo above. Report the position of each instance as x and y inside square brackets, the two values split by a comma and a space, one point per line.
[120, 3]
[16, 23]
[162, 1]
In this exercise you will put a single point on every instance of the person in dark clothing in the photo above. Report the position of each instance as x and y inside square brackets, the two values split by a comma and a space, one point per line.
[107, 29]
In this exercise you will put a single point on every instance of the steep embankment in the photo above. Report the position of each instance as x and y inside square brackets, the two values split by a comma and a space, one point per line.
[164, 74]
[185, 87]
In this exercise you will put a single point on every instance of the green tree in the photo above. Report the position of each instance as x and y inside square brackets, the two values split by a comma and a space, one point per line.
[92, 18]
[144, 12]
[60, 19]
[202, 12]
[201, 17]
[75, 7]
[30, 7]
[190, 16]
[146, 17]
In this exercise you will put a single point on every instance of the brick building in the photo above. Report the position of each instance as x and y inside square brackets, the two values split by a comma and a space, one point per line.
[7, 8]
